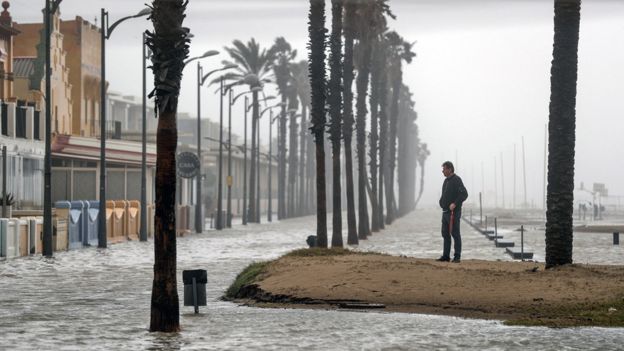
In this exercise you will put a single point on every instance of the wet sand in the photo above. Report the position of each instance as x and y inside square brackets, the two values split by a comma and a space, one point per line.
[523, 292]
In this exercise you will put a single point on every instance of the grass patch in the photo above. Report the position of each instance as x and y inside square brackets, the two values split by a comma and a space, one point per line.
[334, 251]
[246, 277]
[595, 315]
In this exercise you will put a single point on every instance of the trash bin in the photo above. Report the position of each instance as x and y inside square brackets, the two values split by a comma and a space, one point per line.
[133, 212]
[60, 233]
[91, 219]
[120, 221]
[72, 213]
[12, 238]
[4, 228]
[24, 230]
[110, 220]
[75, 225]
[195, 287]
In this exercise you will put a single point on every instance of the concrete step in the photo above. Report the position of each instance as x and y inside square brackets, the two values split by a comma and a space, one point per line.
[504, 243]
[493, 236]
[515, 253]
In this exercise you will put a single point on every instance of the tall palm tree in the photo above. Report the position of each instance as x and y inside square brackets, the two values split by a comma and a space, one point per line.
[301, 83]
[408, 144]
[347, 119]
[284, 56]
[316, 58]
[254, 66]
[169, 45]
[370, 22]
[400, 51]
[383, 132]
[335, 110]
[561, 128]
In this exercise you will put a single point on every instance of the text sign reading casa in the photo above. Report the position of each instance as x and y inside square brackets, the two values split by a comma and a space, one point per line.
[188, 164]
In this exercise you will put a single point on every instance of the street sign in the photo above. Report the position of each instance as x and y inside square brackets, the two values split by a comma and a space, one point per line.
[229, 181]
[187, 164]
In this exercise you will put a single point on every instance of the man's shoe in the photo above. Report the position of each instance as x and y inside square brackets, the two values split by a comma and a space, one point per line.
[456, 260]
[443, 259]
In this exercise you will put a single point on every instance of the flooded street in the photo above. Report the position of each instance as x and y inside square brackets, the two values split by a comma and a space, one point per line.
[100, 300]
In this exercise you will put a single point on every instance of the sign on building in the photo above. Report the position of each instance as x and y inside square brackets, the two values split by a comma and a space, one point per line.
[187, 164]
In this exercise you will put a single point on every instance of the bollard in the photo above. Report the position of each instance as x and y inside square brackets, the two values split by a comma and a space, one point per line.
[495, 228]
[616, 238]
[485, 223]
[522, 242]
[480, 210]
[195, 288]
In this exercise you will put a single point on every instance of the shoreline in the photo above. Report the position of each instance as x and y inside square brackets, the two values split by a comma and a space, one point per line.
[519, 293]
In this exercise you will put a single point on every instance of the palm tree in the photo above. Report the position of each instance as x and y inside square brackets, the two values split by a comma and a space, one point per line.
[316, 57]
[253, 68]
[400, 51]
[284, 55]
[383, 133]
[169, 45]
[561, 129]
[347, 119]
[370, 21]
[335, 110]
[408, 144]
[301, 83]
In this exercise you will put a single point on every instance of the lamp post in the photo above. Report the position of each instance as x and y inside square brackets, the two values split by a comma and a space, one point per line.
[199, 218]
[105, 34]
[228, 221]
[246, 110]
[50, 8]
[269, 185]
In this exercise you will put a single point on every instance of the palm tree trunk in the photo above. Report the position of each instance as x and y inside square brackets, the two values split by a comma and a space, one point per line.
[383, 140]
[362, 89]
[335, 111]
[170, 47]
[292, 164]
[253, 169]
[374, 134]
[348, 121]
[302, 161]
[281, 191]
[316, 30]
[392, 154]
[561, 129]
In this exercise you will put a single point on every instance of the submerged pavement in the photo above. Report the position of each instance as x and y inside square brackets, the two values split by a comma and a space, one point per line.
[99, 299]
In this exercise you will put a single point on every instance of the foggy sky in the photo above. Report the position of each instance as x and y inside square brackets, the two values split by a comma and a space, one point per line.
[481, 78]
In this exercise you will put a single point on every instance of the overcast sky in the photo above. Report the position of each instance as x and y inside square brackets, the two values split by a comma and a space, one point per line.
[481, 79]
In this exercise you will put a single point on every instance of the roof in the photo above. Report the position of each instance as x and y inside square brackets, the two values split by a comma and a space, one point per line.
[23, 67]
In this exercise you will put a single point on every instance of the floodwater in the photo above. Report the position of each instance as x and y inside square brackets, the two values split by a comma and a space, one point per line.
[99, 299]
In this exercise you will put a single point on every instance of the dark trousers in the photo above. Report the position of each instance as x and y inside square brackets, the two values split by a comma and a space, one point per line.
[446, 235]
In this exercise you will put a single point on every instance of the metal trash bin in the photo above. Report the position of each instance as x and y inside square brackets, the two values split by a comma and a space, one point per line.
[133, 212]
[195, 287]
[91, 221]
[72, 213]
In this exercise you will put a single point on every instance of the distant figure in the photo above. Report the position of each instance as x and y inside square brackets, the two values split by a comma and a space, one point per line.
[454, 193]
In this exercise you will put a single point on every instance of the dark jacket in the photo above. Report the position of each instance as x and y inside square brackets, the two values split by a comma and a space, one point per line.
[453, 191]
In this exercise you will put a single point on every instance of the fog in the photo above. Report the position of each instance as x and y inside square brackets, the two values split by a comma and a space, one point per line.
[481, 78]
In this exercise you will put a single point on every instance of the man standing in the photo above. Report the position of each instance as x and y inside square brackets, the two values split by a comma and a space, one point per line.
[454, 193]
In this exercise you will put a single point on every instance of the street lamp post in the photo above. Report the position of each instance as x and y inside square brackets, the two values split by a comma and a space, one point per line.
[220, 184]
[269, 184]
[105, 34]
[199, 218]
[50, 8]
[233, 101]
[229, 177]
